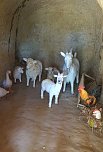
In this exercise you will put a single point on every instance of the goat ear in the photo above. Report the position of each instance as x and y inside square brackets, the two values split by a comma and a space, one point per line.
[55, 76]
[62, 53]
[25, 59]
[46, 69]
[75, 54]
[64, 76]
[71, 50]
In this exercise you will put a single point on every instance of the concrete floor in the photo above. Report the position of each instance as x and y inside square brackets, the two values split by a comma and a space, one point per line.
[28, 125]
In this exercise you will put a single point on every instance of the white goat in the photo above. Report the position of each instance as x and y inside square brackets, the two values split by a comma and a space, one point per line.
[33, 69]
[18, 71]
[71, 67]
[51, 71]
[52, 88]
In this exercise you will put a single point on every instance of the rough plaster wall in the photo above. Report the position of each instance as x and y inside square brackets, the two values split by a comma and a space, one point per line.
[101, 52]
[7, 57]
[9, 18]
[46, 27]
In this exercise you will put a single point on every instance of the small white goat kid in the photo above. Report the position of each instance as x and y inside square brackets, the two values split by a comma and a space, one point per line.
[17, 74]
[52, 88]
[33, 69]
[71, 67]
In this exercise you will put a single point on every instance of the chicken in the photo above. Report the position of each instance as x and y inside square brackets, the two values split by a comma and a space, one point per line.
[88, 100]
[3, 92]
[97, 113]
[95, 123]
[7, 83]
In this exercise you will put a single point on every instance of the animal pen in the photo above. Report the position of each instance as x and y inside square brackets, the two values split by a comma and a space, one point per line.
[51, 75]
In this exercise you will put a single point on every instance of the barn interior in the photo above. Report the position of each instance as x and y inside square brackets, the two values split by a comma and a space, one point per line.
[41, 29]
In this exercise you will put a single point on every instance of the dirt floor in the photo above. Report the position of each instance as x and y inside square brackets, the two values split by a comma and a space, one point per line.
[28, 125]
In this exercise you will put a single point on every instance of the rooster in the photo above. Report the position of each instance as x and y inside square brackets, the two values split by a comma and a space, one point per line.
[87, 99]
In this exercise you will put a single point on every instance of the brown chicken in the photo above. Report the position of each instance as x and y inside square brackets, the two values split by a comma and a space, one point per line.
[87, 99]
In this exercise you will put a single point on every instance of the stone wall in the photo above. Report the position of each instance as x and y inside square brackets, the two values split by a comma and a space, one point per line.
[9, 18]
[7, 51]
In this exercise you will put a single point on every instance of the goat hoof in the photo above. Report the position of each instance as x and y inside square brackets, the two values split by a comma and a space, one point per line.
[56, 102]
[49, 106]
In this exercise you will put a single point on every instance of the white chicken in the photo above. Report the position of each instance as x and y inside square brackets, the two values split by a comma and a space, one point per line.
[7, 83]
[3, 92]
